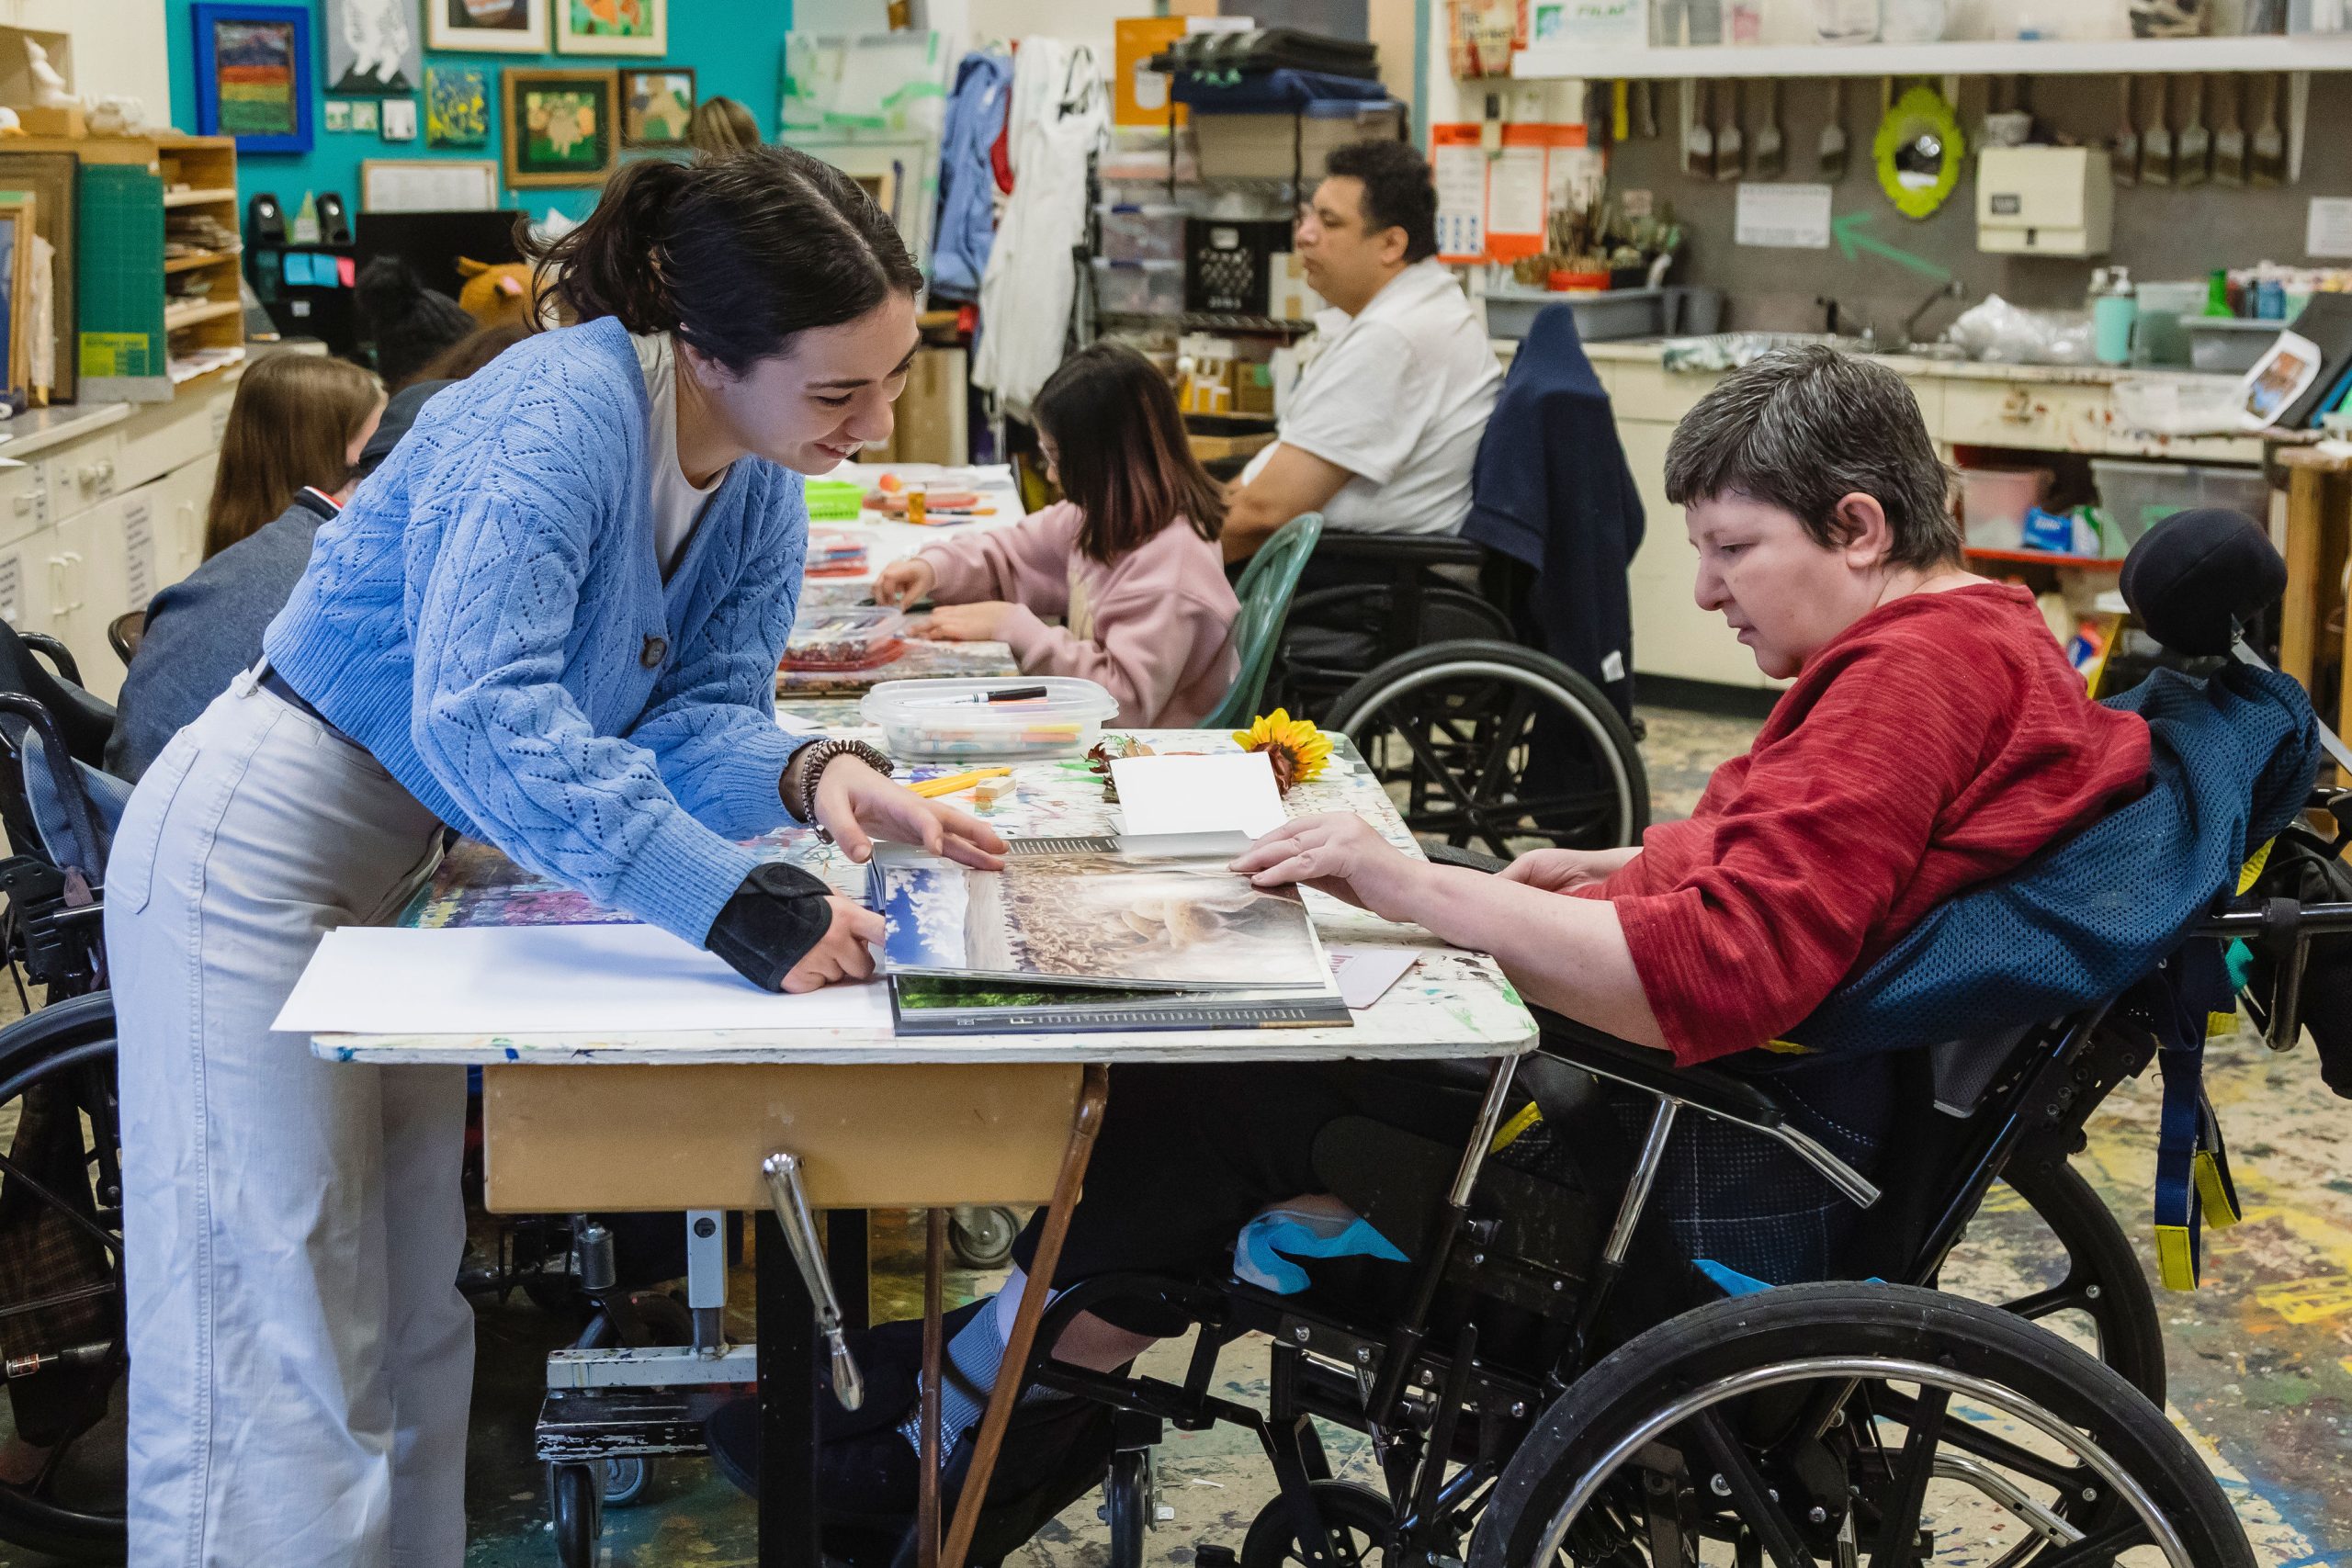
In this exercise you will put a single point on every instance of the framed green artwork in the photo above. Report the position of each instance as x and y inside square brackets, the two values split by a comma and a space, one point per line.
[561, 125]
[612, 27]
[657, 106]
[457, 106]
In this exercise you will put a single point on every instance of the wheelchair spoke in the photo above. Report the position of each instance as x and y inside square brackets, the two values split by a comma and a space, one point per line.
[1750, 1498]
[2067, 1479]
[2099, 1551]
[2068, 1297]
[1899, 1529]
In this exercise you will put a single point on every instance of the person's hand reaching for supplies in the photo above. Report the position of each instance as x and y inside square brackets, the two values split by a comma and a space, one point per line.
[908, 581]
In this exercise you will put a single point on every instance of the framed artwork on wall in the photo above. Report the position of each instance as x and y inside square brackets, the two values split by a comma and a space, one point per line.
[507, 26]
[372, 47]
[562, 127]
[254, 75]
[657, 106]
[457, 106]
[612, 27]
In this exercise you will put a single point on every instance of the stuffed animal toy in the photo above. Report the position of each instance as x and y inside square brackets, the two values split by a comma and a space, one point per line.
[496, 295]
[408, 322]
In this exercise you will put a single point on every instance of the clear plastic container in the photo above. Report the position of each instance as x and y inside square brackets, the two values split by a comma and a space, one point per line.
[2138, 496]
[1994, 502]
[852, 637]
[934, 721]
[1140, 289]
[1147, 233]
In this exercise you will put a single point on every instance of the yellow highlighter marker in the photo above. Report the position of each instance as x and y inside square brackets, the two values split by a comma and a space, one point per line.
[933, 789]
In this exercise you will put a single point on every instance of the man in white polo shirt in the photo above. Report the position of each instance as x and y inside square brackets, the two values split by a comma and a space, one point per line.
[1381, 433]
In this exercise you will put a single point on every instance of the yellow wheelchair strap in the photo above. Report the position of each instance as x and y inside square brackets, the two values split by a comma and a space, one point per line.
[1510, 1131]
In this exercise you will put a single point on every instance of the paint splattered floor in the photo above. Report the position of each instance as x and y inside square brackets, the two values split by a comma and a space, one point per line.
[2260, 1360]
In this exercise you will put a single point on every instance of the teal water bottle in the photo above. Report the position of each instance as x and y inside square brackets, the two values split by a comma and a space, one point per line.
[2115, 312]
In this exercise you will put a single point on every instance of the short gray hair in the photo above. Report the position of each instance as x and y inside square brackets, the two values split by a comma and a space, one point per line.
[1801, 429]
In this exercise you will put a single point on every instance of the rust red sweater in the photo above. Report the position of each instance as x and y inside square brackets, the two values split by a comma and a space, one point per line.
[1939, 742]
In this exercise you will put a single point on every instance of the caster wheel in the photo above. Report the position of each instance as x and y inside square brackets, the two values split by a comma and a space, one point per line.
[577, 1507]
[982, 1237]
[1130, 1497]
[626, 1480]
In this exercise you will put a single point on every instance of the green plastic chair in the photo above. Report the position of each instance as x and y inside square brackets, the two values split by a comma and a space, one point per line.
[1264, 591]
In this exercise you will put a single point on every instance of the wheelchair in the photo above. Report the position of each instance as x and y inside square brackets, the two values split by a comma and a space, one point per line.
[1550, 1379]
[1484, 740]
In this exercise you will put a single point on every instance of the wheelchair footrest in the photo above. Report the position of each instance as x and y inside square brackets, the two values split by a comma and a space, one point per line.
[582, 1427]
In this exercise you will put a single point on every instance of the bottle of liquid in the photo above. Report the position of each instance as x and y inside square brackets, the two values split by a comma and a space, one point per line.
[1845, 21]
[2115, 312]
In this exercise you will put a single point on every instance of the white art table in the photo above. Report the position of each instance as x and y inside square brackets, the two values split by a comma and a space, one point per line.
[657, 1119]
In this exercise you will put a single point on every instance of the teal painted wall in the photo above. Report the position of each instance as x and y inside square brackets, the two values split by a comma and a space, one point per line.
[734, 46]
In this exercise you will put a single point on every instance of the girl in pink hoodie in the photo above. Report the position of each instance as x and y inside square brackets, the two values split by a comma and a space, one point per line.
[1129, 559]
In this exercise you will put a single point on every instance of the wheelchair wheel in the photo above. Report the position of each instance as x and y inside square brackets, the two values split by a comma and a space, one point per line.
[61, 1282]
[1357, 1518]
[2058, 1256]
[1127, 1502]
[1497, 747]
[1825, 1423]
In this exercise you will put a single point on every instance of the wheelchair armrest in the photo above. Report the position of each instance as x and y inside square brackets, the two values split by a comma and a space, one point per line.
[60, 658]
[1720, 1094]
[1403, 549]
[1469, 859]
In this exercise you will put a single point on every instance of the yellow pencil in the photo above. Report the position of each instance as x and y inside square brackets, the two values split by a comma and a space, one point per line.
[930, 788]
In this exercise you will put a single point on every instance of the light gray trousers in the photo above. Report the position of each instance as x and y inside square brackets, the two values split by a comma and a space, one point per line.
[300, 1358]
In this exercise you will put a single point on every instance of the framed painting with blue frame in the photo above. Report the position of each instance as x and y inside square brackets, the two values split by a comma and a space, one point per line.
[254, 75]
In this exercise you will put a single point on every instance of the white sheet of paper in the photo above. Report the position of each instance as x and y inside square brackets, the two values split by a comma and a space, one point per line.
[596, 980]
[1365, 973]
[1778, 217]
[2327, 230]
[1223, 792]
[794, 724]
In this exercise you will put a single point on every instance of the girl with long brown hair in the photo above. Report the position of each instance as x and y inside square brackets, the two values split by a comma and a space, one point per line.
[298, 422]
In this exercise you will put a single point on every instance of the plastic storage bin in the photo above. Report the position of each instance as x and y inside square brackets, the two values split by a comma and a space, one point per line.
[1154, 231]
[851, 638]
[1140, 289]
[2137, 496]
[954, 721]
[1994, 502]
[1612, 317]
[1261, 146]
[2230, 344]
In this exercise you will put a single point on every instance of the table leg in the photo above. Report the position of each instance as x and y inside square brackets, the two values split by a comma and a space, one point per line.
[791, 1381]
[848, 1258]
[1084, 1126]
[2303, 615]
[934, 1351]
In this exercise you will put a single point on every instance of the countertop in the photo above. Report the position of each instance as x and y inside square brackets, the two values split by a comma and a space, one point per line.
[1648, 351]
[37, 430]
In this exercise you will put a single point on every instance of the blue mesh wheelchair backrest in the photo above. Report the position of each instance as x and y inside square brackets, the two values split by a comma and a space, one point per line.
[2232, 759]
[61, 827]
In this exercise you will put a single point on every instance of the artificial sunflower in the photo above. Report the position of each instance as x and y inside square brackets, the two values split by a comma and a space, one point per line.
[1296, 747]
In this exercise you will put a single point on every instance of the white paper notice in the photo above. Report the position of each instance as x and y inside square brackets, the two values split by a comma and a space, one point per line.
[1515, 191]
[2328, 234]
[1224, 792]
[596, 981]
[1365, 973]
[1786, 218]
[1459, 174]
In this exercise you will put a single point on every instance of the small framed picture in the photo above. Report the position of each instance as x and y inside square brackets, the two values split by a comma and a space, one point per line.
[335, 114]
[657, 106]
[399, 120]
[560, 126]
[457, 106]
[503, 27]
[372, 47]
[612, 27]
[254, 75]
[2279, 380]
[365, 114]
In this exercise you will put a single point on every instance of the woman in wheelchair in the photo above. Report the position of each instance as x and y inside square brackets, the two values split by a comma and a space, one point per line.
[1933, 739]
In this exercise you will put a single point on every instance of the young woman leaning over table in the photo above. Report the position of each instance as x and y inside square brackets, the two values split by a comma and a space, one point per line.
[551, 620]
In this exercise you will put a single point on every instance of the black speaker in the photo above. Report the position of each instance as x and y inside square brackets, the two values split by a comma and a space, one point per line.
[335, 223]
[265, 220]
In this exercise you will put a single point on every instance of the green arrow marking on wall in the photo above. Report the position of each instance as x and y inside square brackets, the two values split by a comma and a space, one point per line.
[1852, 241]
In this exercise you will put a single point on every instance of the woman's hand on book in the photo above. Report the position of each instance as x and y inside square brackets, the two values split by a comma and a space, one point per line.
[1340, 853]
[905, 582]
[982, 622]
[857, 806]
[841, 953]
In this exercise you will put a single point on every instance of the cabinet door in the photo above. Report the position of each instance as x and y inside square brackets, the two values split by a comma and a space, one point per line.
[87, 576]
[1671, 635]
[181, 498]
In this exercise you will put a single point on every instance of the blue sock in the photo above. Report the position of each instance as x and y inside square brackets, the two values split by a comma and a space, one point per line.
[976, 1355]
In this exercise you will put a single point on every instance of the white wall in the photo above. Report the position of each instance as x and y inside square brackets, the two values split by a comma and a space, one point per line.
[118, 46]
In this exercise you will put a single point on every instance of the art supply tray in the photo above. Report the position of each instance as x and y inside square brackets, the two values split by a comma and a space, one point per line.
[849, 636]
[954, 720]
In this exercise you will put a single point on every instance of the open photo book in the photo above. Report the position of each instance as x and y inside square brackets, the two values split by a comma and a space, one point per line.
[1098, 932]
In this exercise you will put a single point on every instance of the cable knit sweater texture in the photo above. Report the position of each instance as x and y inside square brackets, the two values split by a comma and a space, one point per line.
[487, 618]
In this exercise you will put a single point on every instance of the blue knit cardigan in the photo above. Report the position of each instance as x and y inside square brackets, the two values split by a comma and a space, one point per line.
[488, 619]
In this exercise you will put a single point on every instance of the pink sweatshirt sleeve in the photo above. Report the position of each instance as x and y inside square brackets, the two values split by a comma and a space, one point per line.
[1143, 643]
[1027, 563]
